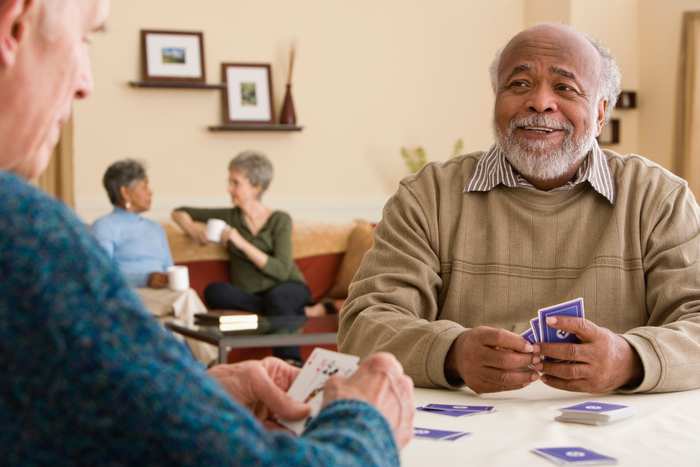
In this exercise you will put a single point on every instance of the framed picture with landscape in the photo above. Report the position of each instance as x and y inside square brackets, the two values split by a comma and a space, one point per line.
[248, 94]
[176, 56]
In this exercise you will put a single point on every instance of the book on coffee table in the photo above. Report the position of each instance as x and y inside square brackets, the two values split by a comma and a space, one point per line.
[219, 317]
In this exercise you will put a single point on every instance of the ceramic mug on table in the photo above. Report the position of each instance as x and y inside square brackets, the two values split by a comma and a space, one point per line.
[178, 278]
[214, 229]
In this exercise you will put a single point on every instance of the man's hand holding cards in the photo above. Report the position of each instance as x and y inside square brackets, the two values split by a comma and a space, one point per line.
[489, 359]
[378, 380]
[579, 355]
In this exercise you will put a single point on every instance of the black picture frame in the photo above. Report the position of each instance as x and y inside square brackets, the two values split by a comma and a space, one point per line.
[626, 100]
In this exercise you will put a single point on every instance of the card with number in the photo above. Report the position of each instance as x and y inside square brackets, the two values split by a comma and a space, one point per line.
[309, 383]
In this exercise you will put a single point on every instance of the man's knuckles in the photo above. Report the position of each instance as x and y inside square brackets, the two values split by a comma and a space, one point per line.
[382, 362]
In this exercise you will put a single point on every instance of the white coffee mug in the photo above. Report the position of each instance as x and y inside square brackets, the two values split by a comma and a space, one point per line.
[214, 229]
[178, 278]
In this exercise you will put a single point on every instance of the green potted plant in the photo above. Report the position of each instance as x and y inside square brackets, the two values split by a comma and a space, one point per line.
[415, 158]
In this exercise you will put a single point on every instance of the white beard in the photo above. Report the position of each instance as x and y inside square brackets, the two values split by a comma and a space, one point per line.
[531, 159]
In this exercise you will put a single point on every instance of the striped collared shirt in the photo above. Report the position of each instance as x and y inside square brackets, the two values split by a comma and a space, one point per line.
[493, 169]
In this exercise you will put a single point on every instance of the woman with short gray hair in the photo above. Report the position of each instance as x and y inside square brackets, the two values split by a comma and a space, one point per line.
[264, 277]
[256, 166]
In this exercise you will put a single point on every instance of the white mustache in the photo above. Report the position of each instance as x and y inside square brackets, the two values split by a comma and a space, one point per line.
[539, 121]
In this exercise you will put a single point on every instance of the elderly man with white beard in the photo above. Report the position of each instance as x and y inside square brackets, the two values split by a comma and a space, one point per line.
[468, 250]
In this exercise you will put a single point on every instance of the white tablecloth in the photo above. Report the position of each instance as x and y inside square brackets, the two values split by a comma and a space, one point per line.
[180, 306]
[665, 431]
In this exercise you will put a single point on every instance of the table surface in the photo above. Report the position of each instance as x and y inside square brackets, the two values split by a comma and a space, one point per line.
[664, 432]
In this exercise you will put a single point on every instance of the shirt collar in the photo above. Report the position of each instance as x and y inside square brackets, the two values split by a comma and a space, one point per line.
[493, 169]
[123, 212]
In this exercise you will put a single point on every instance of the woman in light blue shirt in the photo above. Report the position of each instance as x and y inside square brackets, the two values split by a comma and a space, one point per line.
[138, 246]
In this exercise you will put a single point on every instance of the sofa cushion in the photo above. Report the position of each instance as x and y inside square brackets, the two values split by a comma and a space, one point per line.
[361, 240]
[203, 273]
[319, 272]
[318, 252]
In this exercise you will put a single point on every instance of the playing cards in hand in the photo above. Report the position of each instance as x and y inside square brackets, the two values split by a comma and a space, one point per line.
[539, 330]
[595, 413]
[309, 383]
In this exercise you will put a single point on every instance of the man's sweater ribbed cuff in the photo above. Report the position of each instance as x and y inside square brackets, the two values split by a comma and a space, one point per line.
[438, 353]
[651, 363]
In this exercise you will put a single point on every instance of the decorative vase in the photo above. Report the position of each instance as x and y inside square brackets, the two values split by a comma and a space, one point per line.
[287, 115]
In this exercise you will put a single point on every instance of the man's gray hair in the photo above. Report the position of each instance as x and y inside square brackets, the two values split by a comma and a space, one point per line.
[610, 76]
[256, 167]
[119, 174]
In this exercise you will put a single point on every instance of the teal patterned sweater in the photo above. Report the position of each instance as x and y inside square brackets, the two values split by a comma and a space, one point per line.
[87, 377]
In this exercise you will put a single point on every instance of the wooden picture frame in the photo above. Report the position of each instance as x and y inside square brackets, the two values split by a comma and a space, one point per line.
[626, 100]
[172, 56]
[248, 96]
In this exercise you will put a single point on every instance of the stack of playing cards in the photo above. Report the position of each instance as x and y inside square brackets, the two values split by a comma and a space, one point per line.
[540, 332]
[455, 410]
[309, 383]
[595, 413]
[442, 435]
[574, 455]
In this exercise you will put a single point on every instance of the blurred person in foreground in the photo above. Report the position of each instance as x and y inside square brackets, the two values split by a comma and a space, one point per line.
[89, 377]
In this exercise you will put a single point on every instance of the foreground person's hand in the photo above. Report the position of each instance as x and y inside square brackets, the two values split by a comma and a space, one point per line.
[602, 362]
[489, 360]
[381, 382]
[261, 386]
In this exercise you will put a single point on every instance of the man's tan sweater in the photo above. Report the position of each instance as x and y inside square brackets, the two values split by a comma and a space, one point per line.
[445, 260]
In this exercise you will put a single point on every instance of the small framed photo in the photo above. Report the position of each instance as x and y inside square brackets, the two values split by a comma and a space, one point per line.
[610, 134]
[173, 56]
[627, 100]
[248, 94]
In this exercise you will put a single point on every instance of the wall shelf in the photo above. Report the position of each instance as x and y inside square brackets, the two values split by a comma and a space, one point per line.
[216, 128]
[255, 127]
[174, 85]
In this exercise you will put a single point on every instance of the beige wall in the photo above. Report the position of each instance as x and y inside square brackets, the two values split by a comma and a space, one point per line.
[546, 11]
[370, 77]
[660, 34]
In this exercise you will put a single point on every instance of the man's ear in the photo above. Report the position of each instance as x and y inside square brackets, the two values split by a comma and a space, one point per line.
[13, 25]
[600, 119]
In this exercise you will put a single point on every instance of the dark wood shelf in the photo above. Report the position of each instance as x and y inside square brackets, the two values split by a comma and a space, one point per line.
[255, 127]
[174, 85]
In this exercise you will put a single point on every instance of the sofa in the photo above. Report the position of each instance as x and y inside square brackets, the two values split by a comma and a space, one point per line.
[328, 256]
